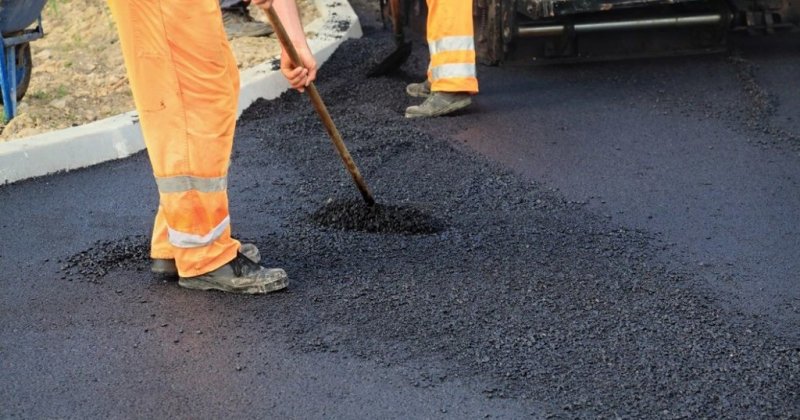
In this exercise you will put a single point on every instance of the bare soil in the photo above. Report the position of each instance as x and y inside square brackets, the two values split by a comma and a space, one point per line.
[79, 74]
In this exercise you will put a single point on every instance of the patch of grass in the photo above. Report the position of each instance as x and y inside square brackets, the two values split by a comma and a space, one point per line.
[47, 96]
[53, 5]
[77, 41]
[61, 91]
[39, 95]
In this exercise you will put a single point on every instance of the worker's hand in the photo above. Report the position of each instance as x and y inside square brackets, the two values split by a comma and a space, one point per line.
[299, 76]
[264, 4]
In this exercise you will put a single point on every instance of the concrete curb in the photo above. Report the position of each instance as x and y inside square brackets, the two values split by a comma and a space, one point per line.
[120, 136]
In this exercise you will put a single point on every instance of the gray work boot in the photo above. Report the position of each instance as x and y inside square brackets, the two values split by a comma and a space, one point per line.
[439, 103]
[241, 275]
[419, 90]
[239, 24]
[169, 269]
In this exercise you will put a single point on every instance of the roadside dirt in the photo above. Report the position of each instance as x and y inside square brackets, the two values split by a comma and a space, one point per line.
[79, 74]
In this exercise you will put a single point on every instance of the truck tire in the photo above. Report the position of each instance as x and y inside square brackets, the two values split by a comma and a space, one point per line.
[489, 22]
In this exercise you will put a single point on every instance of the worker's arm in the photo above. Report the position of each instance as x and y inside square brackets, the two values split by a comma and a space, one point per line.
[300, 75]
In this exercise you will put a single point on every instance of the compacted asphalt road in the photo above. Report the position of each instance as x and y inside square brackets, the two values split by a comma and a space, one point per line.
[593, 240]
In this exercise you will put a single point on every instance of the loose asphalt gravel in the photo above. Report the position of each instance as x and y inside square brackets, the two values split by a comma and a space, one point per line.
[466, 273]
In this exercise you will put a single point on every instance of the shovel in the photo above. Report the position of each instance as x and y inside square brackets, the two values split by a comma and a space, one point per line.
[402, 49]
[316, 100]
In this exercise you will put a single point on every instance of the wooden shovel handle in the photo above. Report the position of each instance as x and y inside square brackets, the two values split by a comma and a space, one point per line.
[322, 111]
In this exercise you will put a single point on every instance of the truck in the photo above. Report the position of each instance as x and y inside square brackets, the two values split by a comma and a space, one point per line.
[577, 30]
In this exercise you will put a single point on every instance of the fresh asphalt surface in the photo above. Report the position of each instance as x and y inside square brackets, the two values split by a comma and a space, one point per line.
[606, 240]
[702, 151]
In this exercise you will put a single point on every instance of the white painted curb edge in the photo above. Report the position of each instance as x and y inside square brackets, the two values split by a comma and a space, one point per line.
[120, 136]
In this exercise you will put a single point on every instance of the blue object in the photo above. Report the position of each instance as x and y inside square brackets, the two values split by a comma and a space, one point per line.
[16, 15]
[15, 61]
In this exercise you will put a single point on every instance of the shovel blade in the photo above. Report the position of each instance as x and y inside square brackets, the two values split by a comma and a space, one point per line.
[392, 62]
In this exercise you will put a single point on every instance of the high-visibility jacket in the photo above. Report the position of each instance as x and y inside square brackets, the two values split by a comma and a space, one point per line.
[452, 46]
[185, 84]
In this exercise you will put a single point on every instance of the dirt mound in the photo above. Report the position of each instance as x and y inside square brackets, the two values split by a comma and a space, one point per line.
[79, 74]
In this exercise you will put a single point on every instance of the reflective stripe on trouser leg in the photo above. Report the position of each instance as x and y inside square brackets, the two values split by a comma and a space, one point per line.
[452, 46]
[185, 84]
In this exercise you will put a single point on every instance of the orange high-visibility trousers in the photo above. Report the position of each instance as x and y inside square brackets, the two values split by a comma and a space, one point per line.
[452, 46]
[185, 84]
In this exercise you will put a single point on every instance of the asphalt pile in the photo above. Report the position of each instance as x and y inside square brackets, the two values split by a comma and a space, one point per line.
[95, 263]
[510, 286]
[378, 218]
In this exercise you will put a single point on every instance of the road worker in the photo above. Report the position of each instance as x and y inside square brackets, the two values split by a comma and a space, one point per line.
[237, 20]
[452, 77]
[185, 85]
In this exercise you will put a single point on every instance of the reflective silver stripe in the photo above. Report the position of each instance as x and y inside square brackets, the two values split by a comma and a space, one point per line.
[188, 183]
[188, 240]
[452, 43]
[447, 71]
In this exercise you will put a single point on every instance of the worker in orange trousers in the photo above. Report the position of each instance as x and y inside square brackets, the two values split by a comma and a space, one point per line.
[452, 77]
[185, 83]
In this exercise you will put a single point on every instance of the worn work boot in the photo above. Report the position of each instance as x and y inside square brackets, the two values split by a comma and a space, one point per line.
[439, 103]
[239, 24]
[241, 275]
[169, 269]
[419, 90]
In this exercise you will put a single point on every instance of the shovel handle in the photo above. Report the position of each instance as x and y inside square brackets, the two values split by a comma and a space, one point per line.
[324, 115]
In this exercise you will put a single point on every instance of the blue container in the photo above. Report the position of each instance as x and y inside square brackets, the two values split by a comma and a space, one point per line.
[16, 15]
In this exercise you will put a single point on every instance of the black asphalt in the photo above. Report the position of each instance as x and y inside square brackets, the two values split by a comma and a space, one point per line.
[600, 240]
[702, 151]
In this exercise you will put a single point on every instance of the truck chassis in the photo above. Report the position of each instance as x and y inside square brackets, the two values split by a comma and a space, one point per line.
[580, 30]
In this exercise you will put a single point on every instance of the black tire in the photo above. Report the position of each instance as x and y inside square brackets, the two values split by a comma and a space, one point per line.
[488, 22]
[24, 66]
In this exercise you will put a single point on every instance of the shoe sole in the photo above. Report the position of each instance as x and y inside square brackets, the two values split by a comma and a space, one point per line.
[277, 280]
[455, 106]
